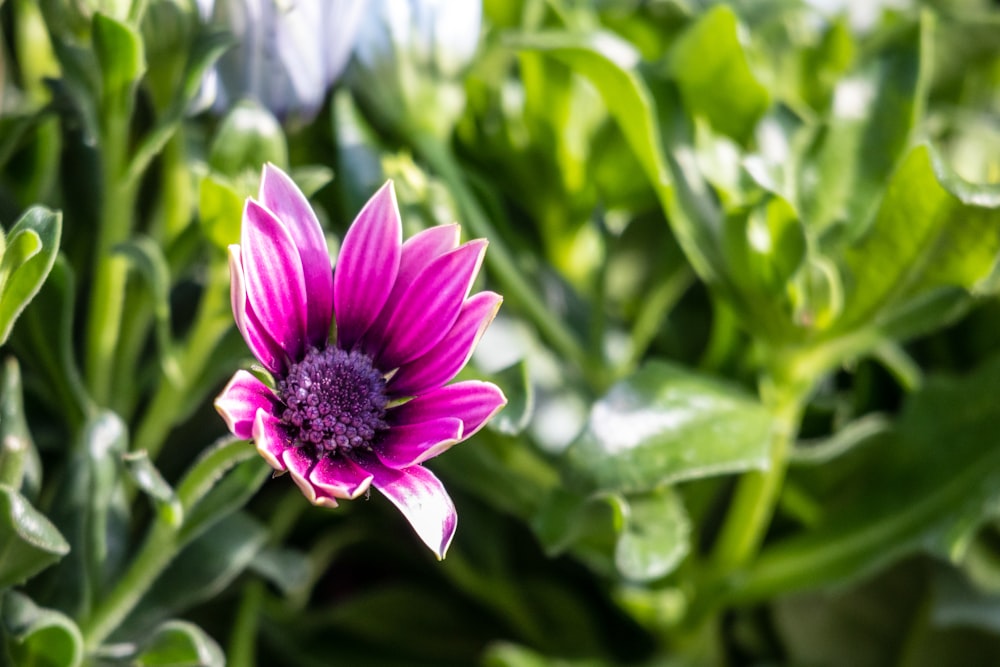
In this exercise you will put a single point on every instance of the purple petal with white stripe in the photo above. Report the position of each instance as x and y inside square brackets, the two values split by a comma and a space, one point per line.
[450, 355]
[422, 499]
[271, 440]
[272, 271]
[410, 444]
[340, 477]
[239, 401]
[282, 197]
[430, 305]
[263, 347]
[473, 401]
[367, 266]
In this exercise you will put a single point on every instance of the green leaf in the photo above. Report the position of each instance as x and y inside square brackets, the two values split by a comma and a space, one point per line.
[47, 339]
[516, 385]
[91, 510]
[29, 542]
[290, 570]
[147, 257]
[248, 137]
[32, 245]
[220, 210]
[146, 476]
[20, 466]
[179, 644]
[655, 537]
[202, 570]
[665, 424]
[928, 236]
[39, 637]
[226, 496]
[119, 52]
[710, 66]
[927, 486]
[874, 114]
[611, 66]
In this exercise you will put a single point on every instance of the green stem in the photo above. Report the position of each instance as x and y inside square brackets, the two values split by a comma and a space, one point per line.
[243, 641]
[757, 492]
[110, 271]
[162, 543]
[210, 325]
[511, 277]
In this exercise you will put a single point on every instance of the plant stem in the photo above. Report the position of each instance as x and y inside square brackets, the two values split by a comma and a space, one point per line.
[110, 271]
[211, 324]
[162, 543]
[242, 643]
[757, 492]
[512, 278]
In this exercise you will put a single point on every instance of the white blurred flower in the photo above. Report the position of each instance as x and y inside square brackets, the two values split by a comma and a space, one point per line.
[409, 57]
[288, 52]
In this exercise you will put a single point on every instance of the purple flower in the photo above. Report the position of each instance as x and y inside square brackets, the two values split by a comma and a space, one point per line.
[368, 409]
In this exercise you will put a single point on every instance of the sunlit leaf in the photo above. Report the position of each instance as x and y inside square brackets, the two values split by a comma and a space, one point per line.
[666, 424]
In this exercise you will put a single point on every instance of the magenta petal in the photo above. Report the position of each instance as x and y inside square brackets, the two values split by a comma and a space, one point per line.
[473, 401]
[418, 251]
[340, 477]
[422, 499]
[260, 343]
[282, 197]
[431, 305]
[410, 444]
[239, 401]
[449, 356]
[367, 266]
[300, 466]
[272, 270]
[271, 440]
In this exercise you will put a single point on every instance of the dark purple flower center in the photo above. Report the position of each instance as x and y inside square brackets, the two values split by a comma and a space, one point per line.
[334, 400]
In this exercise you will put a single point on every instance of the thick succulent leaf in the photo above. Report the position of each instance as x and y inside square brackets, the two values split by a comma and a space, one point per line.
[873, 116]
[202, 570]
[91, 510]
[611, 65]
[20, 465]
[32, 245]
[37, 636]
[179, 644]
[927, 236]
[666, 424]
[515, 381]
[655, 536]
[710, 65]
[927, 486]
[120, 55]
[29, 542]
[148, 479]
[248, 137]
[148, 259]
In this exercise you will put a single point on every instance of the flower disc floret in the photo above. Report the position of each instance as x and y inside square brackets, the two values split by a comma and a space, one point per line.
[334, 401]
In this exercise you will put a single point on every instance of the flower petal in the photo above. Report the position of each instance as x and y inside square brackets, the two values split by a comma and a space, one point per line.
[239, 401]
[418, 251]
[260, 343]
[430, 305]
[473, 401]
[282, 197]
[447, 358]
[367, 266]
[272, 270]
[300, 465]
[410, 444]
[340, 477]
[270, 439]
[422, 499]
